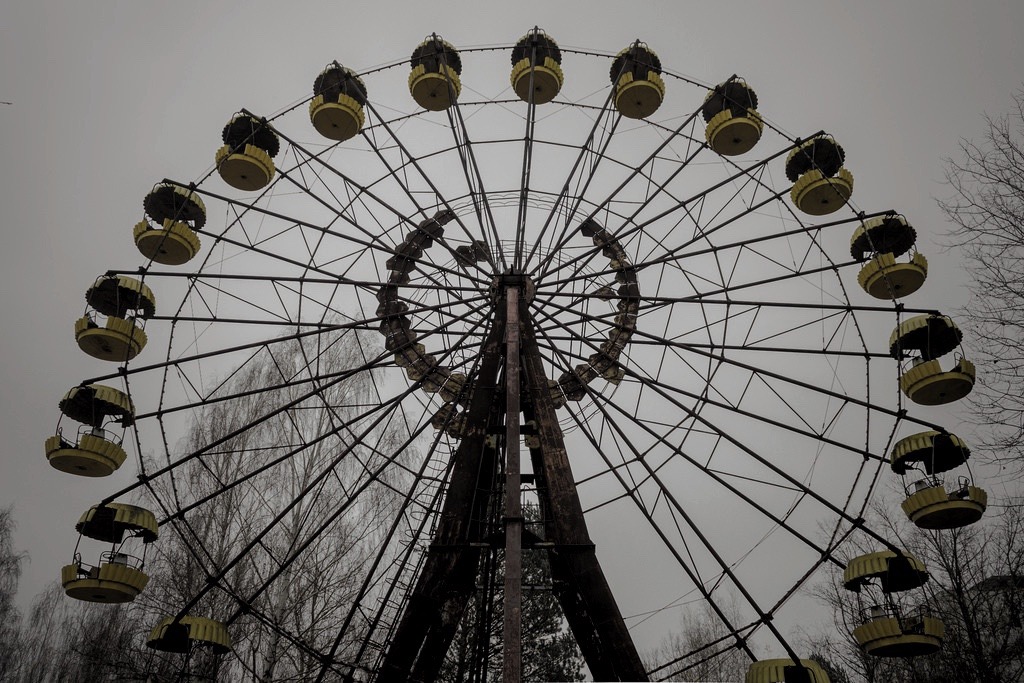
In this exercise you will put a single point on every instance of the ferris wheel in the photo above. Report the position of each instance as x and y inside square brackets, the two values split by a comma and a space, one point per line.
[418, 327]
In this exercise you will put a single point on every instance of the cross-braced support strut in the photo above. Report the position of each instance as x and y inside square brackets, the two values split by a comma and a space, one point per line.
[448, 577]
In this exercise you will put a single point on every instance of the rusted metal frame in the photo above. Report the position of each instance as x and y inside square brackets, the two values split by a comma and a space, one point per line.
[414, 161]
[513, 516]
[378, 615]
[524, 183]
[362, 324]
[378, 559]
[214, 579]
[622, 235]
[474, 179]
[438, 600]
[713, 249]
[580, 584]
[664, 390]
[363, 190]
[680, 512]
[486, 599]
[563, 195]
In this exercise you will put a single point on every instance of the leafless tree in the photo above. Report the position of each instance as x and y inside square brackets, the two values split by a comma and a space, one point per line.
[976, 587]
[703, 649]
[73, 642]
[10, 572]
[987, 211]
[300, 574]
[283, 564]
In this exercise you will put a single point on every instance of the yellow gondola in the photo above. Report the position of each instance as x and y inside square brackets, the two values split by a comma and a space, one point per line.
[169, 201]
[927, 384]
[886, 630]
[112, 327]
[894, 573]
[116, 339]
[119, 576]
[935, 451]
[174, 214]
[169, 243]
[733, 124]
[181, 635]
[883, 240]
[246, 160]
[336, 110]
[931, 336]
[786, 671]
[925, 338]
[111, 581]
[91, 455]
[536, 68]
[434, 80]
[817, 194]
[636, 76]
[96, 452]
[820, 183]
[893, 636]
[883, 277]
[931, 506]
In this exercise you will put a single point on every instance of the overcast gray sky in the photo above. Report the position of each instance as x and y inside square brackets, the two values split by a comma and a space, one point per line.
[108, 97]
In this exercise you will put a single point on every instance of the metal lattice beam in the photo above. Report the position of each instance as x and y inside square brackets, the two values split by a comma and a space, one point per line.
[438, 600]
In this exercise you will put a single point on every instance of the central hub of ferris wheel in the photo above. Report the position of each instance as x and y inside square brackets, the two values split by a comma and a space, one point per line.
[604, 353]
[508, 390]
[523, 283]
[488, 410]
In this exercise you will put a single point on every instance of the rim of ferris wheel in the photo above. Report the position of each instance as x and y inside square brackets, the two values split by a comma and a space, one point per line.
[644, 300]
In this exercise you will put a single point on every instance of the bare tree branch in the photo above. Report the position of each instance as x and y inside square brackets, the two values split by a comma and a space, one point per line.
[986, 209]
